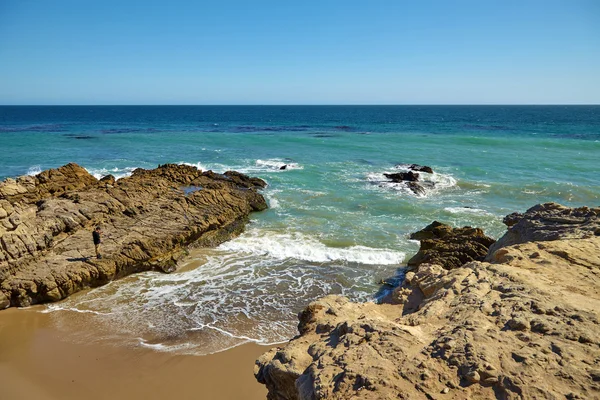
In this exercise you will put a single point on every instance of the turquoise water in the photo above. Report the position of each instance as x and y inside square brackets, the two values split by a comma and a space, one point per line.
[335, 225]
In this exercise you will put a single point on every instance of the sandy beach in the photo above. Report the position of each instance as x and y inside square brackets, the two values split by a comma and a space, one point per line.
[36, 361]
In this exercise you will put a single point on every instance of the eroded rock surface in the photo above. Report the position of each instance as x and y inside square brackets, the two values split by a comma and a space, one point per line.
[148, 220]
[523, 326]
[549, 221]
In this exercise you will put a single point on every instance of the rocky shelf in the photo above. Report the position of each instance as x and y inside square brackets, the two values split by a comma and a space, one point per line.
[148, 221]
[517, 321]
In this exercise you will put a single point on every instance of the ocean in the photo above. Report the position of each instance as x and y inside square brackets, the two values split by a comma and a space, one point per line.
[336, 224]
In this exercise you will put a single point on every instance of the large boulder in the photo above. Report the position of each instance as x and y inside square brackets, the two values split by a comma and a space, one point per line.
[450, 247]
[149, 220]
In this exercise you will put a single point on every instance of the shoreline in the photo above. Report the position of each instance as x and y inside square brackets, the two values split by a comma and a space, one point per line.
[37, 362]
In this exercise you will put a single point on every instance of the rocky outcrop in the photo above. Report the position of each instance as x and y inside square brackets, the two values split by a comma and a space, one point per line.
[148, 221]
[523, 326]
[450, 247]
[549, 221]
[410, 179]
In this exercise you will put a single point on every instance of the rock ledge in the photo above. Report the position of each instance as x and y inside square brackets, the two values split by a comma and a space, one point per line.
[149, 220]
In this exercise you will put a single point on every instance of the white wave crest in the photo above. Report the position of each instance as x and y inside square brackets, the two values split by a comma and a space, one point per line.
[297, 246]
[466, 210]
[276, 164]
[117, 172]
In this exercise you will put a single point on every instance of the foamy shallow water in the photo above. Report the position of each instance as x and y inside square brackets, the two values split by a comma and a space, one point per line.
[248, 289]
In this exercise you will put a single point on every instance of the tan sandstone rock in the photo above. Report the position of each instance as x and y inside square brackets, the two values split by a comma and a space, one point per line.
[148, 221]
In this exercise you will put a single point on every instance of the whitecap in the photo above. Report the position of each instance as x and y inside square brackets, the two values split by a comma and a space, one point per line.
[466, 210]
[298, 246]
[117, 172]
[276, 164]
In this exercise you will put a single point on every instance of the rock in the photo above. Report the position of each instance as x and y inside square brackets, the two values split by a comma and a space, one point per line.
[4, 301]
[283, 167]
[548, 221]
[415, 167]
[148, 222]
[420, 168]
[509, 329]
[472, 377]
[403, 176]
[518, 324]
[409, 179]
[416, 188]
[108, 180]
[450, 247]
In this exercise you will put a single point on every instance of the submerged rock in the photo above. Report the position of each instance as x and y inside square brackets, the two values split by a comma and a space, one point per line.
[526, 326]
[46, 248]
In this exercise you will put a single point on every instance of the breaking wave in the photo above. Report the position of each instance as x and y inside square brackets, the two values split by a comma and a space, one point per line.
[297, 246]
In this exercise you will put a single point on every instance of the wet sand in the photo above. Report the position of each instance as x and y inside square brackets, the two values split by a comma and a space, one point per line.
[37, 362]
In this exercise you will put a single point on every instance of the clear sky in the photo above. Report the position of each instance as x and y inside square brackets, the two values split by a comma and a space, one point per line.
[300, 52]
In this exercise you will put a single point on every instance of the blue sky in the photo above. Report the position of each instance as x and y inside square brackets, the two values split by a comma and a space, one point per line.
[301, 52]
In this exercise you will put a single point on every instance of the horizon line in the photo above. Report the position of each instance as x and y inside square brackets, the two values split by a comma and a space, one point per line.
[301, 105]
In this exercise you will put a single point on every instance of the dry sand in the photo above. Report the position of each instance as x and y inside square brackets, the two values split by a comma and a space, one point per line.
[36, 363]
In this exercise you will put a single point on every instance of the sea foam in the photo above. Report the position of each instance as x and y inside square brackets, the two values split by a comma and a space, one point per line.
[34, 170]
[298, 246]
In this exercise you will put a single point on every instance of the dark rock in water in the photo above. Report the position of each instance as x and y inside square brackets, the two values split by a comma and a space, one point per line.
[409, 179]
[421, 168]
[450, 247]
[416, 167]
[283, 167]
[416, 188]
[403, 176]
[46, 223]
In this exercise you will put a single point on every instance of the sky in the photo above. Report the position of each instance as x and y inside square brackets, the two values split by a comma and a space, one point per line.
[299, 52]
